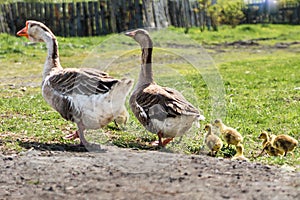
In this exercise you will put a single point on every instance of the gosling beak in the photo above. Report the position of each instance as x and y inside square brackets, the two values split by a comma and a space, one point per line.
[23, 32]
[259, 136]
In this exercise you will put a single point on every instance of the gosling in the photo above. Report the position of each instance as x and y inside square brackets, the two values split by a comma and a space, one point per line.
[239, 153]
[271, 150]
[213, 142]
[230, 135]
[266, 138]
[285, 143]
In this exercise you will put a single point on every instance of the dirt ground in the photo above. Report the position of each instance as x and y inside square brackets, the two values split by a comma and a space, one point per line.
[134, 174]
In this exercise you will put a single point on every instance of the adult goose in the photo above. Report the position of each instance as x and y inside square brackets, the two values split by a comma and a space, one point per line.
[161, 110]
[88, 97]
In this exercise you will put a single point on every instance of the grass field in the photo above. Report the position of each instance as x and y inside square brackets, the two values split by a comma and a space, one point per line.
[261, 82]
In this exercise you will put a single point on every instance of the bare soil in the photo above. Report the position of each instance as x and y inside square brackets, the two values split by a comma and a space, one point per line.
[117, 173]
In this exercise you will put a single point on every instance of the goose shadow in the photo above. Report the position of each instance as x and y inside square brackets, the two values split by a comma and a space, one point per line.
[40, 146]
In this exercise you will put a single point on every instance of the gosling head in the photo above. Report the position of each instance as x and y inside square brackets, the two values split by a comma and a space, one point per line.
[218, 122]
[208, 127]
[263, 135]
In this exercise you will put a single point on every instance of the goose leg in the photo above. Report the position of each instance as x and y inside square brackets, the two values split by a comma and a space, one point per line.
[80, 131]
[159, 142]
[166, 141]
[85, 143]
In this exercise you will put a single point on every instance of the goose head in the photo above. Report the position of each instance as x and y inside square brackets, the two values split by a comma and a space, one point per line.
[141, 36]
[35, 31]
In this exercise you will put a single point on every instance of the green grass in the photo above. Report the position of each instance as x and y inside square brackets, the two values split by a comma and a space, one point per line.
[261, 90]
[275, 33]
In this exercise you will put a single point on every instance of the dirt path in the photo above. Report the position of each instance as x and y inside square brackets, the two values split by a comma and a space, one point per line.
[130, 174]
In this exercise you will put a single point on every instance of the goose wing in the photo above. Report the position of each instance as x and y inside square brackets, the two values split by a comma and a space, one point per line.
[81, 81]
[161, 102]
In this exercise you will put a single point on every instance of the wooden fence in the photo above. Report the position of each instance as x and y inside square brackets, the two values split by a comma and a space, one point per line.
[102, 16]
[107, 16]
[74, 19]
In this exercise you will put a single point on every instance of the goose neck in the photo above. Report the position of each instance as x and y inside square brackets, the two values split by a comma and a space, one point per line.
[146, 74]
[52, 60]
[222, 127]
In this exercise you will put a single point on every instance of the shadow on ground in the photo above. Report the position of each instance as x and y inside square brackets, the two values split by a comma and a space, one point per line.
[52, 147]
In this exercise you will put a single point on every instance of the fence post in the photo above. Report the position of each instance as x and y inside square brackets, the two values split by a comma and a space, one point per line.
[148, 17]
[64, 20]
[112, 8]
[71, 10]
[97, 16]
[78, 19]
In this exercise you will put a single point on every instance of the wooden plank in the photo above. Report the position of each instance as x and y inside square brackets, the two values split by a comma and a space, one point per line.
[13, 18]
[78, 19]
[180, 14]
[124, 22]
[197, 14]
[1, 20]
[148, 17]
[42, 12]
[105, 22]
[161, 19]
[186, 15]
[85, 20]
[37, 12]
[138, 14]
[97, 18]
[47, 13]
[51, 18]
[71, 15]
[28, 10]
[130, 16]
[172, 6]
[57, 22]
[65, 21]
[91, 18]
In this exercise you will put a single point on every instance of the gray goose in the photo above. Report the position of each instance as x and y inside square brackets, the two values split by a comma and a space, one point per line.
[86, 96]
[161, 110]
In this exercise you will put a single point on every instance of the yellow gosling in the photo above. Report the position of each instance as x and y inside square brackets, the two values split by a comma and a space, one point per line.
[285, 143]
[212, 141]
[266, 137]
[230, 135]
[271, 150]
[239, 153]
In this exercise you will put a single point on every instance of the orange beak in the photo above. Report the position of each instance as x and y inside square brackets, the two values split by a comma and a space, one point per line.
[23, 32]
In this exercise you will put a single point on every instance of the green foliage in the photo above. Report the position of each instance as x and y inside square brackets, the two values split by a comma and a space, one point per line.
[287, 2]
[272, 34]
[223, 12]
[231, 11]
